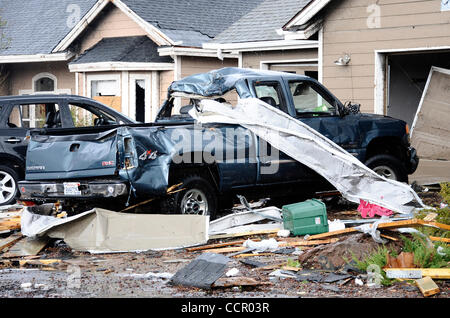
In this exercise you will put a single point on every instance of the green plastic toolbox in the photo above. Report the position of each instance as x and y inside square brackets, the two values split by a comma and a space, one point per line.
[309, 217]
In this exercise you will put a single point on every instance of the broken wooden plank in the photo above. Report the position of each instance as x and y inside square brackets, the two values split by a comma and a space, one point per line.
[10, 224]
[270, 267]
[417, 273]
[10, 240]
[250, 233]
[27, 247]
[389, 237]
[291, 268]
[430, 217]
[217, 245]
[440, 239]
[281, 244]
[387, 225]
[251, 255]
[238, 281]
[427, 286]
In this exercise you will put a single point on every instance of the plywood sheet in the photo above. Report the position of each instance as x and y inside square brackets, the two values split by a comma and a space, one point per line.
[430, 133]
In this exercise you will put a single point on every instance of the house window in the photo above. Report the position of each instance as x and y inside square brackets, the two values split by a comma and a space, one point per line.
[104, 88]
[44, 84]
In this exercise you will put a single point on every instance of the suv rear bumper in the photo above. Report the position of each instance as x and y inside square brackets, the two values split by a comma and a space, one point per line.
[39, 190]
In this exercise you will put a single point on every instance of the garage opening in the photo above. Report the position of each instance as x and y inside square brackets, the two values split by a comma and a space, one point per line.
[407, 75]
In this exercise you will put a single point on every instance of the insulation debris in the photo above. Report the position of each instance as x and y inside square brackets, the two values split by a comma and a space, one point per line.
[299, 141]
[103, 231]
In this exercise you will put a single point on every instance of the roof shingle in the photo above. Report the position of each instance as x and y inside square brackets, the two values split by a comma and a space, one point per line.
[36, 26]
[123, 49]
[261, 23]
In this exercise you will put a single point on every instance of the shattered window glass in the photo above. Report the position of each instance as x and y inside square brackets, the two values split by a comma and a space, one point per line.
[307, 99]
[83, 117]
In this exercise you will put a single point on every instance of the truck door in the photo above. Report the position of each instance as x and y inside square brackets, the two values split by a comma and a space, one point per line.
[275, 166]
[318, 109]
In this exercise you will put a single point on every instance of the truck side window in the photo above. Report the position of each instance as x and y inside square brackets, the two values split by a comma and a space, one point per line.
[307, 99]
[271, 93]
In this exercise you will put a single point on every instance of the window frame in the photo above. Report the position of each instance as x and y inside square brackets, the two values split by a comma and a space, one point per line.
[283, 103]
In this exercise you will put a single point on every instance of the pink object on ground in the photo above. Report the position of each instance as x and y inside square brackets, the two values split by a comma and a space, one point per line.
[372, 209]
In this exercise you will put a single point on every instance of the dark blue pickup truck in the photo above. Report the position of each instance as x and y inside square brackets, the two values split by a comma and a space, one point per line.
[211, 162]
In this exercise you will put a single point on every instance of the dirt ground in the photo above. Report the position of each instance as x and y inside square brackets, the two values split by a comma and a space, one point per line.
[79, 274]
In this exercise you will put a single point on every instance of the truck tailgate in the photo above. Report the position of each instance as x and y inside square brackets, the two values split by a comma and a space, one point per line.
[65, 157]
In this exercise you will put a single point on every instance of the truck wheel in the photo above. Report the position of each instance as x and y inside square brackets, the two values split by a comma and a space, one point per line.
[8, 185]
[388, 166]
[198, 197]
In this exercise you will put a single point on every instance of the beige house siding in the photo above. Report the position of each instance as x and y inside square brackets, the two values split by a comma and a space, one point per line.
[403, 24]
[21, 76]
[192, 65]
[165, 79]
[254, 59]
[111, 22]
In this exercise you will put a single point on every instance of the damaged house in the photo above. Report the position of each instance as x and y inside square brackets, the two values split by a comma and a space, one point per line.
[122, 53]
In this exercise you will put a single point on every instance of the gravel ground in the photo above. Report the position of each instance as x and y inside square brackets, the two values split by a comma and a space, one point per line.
[138, 275]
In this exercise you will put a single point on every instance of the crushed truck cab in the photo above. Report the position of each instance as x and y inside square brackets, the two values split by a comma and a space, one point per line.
[211, 162]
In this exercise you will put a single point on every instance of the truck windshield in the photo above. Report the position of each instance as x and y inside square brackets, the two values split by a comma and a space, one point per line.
[308, 100]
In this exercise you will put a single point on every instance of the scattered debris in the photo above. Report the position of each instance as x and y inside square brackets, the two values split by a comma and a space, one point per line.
[202, 272]
[238, 281]
[404, 260]
[232, 272]
[417, 273]
[427, 286]
[27, 247]
[309, 217]
[103, 231]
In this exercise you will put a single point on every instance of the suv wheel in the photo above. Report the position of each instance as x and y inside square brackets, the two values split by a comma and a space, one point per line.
[8, 185]
[198, 197]
[388, 166]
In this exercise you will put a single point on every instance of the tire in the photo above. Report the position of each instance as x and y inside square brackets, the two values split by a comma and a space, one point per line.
[198, 197]
[389, 167]
[8, 185]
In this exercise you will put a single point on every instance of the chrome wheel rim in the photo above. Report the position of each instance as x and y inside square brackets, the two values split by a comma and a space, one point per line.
[386, 172]
[194, 202]
[8, 187]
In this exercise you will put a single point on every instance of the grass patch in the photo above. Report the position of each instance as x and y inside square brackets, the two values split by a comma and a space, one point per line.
[379, 258]
[292, 263]
[443, 214]
[426, 256]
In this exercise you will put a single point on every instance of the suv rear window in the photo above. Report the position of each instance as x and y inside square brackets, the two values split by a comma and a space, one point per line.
[35, 116]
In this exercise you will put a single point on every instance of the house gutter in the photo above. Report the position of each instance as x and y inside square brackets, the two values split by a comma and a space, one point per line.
[54, 57]
[262, 45]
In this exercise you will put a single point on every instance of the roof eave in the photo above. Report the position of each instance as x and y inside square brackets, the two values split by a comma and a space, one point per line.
[306, 14]
[153, 32]
[121, 66]
[32, 58]
[192, 51]
[263, 45]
